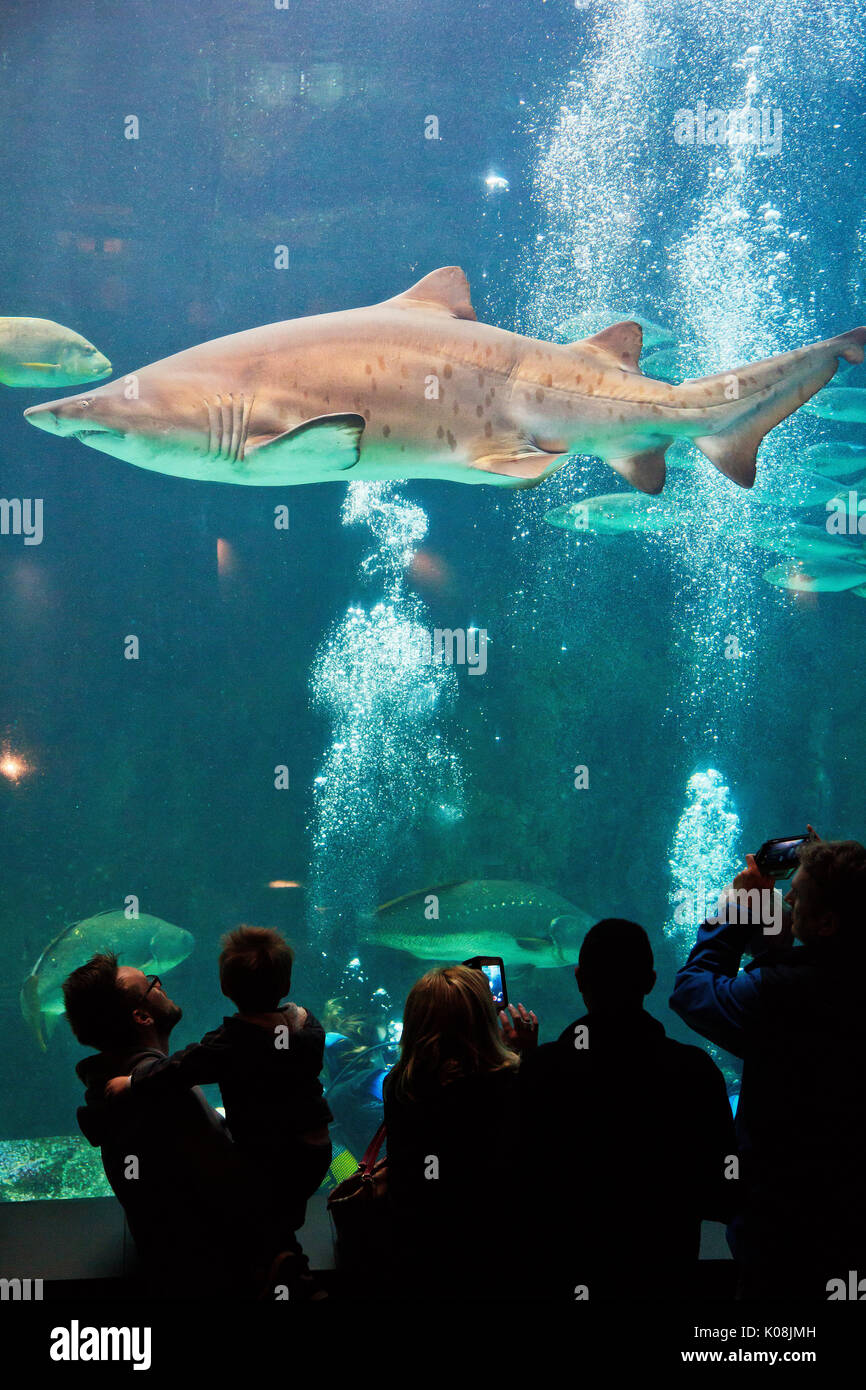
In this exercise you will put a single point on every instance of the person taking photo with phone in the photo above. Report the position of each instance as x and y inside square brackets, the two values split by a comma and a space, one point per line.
[795, 1015]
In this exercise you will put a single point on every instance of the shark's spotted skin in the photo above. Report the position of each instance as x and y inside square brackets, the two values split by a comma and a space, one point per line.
[415, 387]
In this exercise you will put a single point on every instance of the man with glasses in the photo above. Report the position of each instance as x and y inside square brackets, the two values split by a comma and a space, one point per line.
[171, 1163]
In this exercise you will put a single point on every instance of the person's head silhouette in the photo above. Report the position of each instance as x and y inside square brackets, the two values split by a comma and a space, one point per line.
[615, 967]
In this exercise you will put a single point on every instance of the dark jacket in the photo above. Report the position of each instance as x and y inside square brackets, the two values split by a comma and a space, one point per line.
[175, 1172]
[796, 1016]
[627, 1139]
[453, 1228]
[272, 1095]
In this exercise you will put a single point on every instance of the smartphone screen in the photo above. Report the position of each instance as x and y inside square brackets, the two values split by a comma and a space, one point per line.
[497, 988]
[493, 969]
[779, 858]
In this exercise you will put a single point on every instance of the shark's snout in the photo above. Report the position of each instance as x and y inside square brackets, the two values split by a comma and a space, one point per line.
[43, 418]
[70, 418]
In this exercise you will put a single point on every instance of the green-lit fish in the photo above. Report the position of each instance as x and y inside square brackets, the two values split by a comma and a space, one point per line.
[39, 352]
[822, 576]
[816, 560]
[807, 543]
[589, 321]
[845, 403]
[145, 942]
[523, 924]
[836, 460]
[618, 513]
[795, 488]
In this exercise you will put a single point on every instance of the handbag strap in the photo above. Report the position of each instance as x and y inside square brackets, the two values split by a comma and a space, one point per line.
[371, 1153]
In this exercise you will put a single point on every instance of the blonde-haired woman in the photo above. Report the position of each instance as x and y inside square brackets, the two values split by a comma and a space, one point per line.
[451, 1113]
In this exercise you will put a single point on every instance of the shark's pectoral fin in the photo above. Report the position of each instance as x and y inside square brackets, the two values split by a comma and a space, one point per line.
[445, 290]
[516, 456]
[332, 441]
[622, 342]
[645, 471]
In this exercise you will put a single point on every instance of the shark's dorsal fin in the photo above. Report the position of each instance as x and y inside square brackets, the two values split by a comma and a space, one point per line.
[445, 290]
[622, 341]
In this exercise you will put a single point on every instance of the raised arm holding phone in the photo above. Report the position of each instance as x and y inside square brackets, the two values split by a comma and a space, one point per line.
[795, 1016]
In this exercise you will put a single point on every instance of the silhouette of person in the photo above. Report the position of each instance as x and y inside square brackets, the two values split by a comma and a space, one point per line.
[795, 1016]
[627, 1137]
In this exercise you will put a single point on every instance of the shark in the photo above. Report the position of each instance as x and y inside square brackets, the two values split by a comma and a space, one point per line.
[417, 387]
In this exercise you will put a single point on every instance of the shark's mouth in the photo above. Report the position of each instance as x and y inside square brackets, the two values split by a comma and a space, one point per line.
[85, 434]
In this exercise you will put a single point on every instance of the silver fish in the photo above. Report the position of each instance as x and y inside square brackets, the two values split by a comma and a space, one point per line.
[845, 403]
[841, 460]
[520, 922]
[822, 576]
[617, 514]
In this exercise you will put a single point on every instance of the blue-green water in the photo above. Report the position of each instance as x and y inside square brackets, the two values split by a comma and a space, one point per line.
[709, 709]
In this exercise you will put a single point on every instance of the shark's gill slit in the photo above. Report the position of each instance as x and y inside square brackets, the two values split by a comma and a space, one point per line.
[212, 428]
[225, 425]
[237, 416]
[245, 425]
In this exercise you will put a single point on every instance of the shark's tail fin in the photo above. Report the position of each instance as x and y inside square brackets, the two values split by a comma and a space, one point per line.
[769, 392]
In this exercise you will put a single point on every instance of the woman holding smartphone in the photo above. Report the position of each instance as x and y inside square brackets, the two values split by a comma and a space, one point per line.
[451, 1120]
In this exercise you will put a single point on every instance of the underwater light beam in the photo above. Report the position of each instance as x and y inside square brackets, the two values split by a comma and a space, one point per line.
[703, 856]
[389, 762]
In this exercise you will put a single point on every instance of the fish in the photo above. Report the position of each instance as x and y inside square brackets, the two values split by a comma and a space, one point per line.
[845, 403]
[40, 352]
[797, 489]
[145, 942]
[590, 321]
[811, 551]
[520, 922]
[825, 576]
[618, 513]
[416, 387]
[836, 460]
[806, 543]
